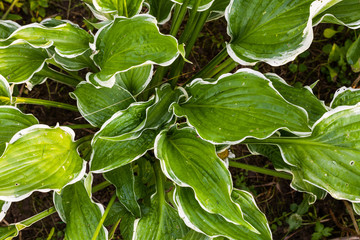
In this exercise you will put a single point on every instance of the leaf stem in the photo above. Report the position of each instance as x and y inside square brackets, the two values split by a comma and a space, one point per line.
[59, 77]
[231, 65]
[100, 225]
[9, 9]
[43, 102]
[179, 18]
[113, 229]
[100, 186]
[260, 170]
[79, 126]
[212, 64]
[228, 62]
[159, 181]
[84, 139]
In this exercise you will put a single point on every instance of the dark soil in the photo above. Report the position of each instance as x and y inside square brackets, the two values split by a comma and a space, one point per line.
[273, 195]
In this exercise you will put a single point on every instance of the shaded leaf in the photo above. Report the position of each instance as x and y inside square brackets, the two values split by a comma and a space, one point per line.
[7, 27]
[4, 206]
[118, 7]
[5, 91]
[204, 4]
[161, 9]
[345, 96]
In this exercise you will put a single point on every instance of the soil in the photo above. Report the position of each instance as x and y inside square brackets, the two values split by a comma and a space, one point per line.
[273, 195]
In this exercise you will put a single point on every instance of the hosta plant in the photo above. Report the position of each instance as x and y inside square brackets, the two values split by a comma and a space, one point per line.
[156, 138]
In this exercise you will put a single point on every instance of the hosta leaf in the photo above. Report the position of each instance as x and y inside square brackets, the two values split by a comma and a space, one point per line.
[274, 32]
[97, 105]
[12, 121]
[345, 96]
[116, 212]
[218, 9]
[79, 212]
[39, 158]
[19, 62]
[193, 235]
[73, 64]
[161, 222]
[108, 154]
[191, 162]
[120, 48]
[302, 97]
[161, 9]
[119, 7]
[238, 106]
[214, 225]
[353, 55]
[124, 181]
[346, 12]
[135, 80]
[35, 80]
[5, 92]
[127, 226]
[4, 206]
[7, 28]
[356, 208]
[68, 39]
[204, 4]
[329, 158]
[273, 153]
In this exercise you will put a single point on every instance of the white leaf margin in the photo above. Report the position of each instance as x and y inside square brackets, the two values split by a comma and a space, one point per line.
[200, 8]
[342, 90]
[4, 209]
[103, 10]
[111, 81]
[250, 71]
[286, 57]
[25, 131]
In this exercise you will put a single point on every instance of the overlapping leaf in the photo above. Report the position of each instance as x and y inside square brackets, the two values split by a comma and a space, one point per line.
[5, 92]
[161, 9]
[39, 158]
[329, 158]
[161, 222]
[4, 206]
[274, 32]
[79, 212]
[97, 105]
[12, 121]
[302, 97]
[214, 225]
[120, 47]
[135, 80]
[345, 96]
[118, 7]
[19, 62]
[73, 64]
[124, 181]
[7, 28]
[68, 39]
[238, 106]
[345, 12]
[353, 55]
[191, 162]
[108, 154]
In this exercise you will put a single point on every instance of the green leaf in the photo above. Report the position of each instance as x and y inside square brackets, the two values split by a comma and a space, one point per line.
[69, 39]
[161, 9]
[135, 80]
[329, 158]
[19, 62]
[345, 97]
[12, 120]
[97, 105]
[110, 154]
[7, 28]
[302, 97]
[161, 222]
[127, 226]
[238, 106]
[274, 32]
[11, 231]
[4, 206]
[5, 91]
[191, 162]
[218, 9]
[356, 207]
[118, 47]
[193, 235]
[73, 64]
[119, 7]
[346, 12]
[204, 4]
[79, 212]
[353, 53]
[124, 181]
[273, 153]
[214, 225]
[39, 158]
[116, 212]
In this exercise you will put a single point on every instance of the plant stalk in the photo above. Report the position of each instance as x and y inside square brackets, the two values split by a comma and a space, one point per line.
[231, 65]
[100, 225]
[179, 18]
[43, 102]
[59, 77]
[260, 170]
[160, 186]
[228, 62]
[79, 126]
[9, 9]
